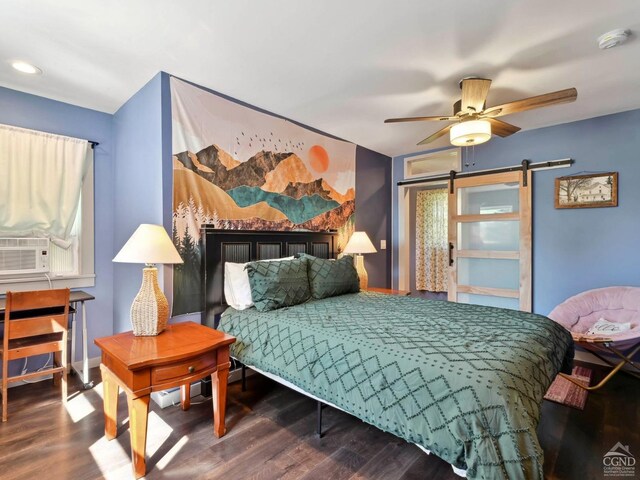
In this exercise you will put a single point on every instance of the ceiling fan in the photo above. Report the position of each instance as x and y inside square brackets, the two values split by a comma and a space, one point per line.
[474, 122]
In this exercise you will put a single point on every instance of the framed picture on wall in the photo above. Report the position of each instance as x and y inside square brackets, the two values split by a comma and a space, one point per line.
[587, 191]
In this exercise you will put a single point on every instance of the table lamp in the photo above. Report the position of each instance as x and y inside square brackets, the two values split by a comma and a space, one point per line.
[149, 244]
[358, 244]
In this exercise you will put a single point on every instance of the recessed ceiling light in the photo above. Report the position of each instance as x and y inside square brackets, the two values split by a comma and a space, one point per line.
[613, 38]
[27, 68]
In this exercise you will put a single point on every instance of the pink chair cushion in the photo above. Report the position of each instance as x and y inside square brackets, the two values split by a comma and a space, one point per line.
[615, 304]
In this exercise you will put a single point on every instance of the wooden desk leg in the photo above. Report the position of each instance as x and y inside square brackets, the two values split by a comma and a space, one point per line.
[138, 413]
[219, 392]
[110, 395]
[185, 396]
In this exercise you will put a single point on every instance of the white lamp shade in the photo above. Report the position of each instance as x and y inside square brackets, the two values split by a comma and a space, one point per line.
[359, 243]
[472, 132]
[149, 244]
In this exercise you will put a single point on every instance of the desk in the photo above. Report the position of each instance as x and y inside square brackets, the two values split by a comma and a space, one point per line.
[74, 298]
[183, 353]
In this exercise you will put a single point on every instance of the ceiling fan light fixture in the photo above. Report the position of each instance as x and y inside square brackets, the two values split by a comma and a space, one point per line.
[472, 132]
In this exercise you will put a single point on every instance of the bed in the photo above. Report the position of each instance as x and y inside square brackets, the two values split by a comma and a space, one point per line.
[462, 381]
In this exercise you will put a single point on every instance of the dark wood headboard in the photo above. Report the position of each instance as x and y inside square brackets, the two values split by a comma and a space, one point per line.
[240, 246]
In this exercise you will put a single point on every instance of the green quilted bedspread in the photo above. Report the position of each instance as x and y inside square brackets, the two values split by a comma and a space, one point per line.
[463, 381]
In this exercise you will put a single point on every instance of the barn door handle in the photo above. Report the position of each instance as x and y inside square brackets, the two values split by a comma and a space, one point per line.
[451, 247]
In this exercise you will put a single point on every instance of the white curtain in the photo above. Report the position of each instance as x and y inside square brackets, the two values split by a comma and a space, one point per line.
[41, 177]
[432, 253]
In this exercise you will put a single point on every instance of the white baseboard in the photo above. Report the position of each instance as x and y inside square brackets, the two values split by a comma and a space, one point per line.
[93, 362]
[35, 380]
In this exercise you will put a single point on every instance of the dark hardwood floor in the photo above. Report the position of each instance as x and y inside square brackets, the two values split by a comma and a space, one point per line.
[271, 436]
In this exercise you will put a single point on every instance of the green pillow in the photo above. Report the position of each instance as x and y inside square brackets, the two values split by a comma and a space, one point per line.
[278, 284]
[328, 278]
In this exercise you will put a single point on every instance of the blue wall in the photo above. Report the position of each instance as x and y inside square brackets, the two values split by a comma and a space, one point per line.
[138, 185]
[575, 249]
[373, 212]
[38, 113]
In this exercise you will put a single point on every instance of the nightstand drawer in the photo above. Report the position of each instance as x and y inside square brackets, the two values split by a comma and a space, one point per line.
[184, 368]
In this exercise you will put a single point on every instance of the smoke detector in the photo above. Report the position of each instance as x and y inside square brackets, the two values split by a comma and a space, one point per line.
[613, 38]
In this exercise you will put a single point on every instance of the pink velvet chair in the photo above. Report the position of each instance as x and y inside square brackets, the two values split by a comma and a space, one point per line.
[614, 304]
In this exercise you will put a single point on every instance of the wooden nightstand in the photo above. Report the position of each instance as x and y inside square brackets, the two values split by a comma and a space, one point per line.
[183, 353]
[389, 291]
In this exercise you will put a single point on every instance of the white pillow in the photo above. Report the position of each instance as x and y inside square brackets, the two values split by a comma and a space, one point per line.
[237, 290]
[236, 286]
[605, 327]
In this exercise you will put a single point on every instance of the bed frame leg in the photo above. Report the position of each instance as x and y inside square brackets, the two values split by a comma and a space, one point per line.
[244, 378]
[319, 419]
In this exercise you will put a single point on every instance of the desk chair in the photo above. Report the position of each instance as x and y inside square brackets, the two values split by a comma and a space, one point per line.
[35, 324]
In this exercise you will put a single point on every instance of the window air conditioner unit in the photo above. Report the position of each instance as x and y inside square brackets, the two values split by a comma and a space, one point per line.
[24, 255]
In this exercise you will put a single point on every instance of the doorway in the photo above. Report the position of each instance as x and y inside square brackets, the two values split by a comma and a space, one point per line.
[429, 242]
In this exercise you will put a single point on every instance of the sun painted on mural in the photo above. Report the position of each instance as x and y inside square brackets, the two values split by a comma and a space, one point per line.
[319, 158]
[236, 168]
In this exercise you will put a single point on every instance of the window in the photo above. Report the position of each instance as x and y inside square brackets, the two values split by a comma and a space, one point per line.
[68, 267]
[64, 261]
[75, 265]
[431, 164]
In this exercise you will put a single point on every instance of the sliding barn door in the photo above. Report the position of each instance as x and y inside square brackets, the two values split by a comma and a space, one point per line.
[490, 240]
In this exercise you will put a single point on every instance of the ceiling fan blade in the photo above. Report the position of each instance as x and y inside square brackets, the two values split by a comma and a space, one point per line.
[502, 129]
[554, 98]
[435, 136]
[420, 119]
[474, 93]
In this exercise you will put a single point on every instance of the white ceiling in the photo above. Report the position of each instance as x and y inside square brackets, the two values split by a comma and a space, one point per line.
[340, 66]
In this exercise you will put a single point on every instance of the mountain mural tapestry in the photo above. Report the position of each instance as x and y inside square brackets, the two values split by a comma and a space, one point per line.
[237, 168]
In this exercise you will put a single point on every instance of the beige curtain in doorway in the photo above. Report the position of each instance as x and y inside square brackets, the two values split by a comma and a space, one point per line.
[432, 255]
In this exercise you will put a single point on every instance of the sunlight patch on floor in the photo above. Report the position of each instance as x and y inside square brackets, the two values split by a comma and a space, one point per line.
[108, 464]
[119, 460]
[158, 431]
[98, 390]
[79, 407]
[84, 402]
[164, 461]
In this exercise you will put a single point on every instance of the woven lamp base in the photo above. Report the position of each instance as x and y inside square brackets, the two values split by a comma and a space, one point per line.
[362, 273]
[150, 309]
